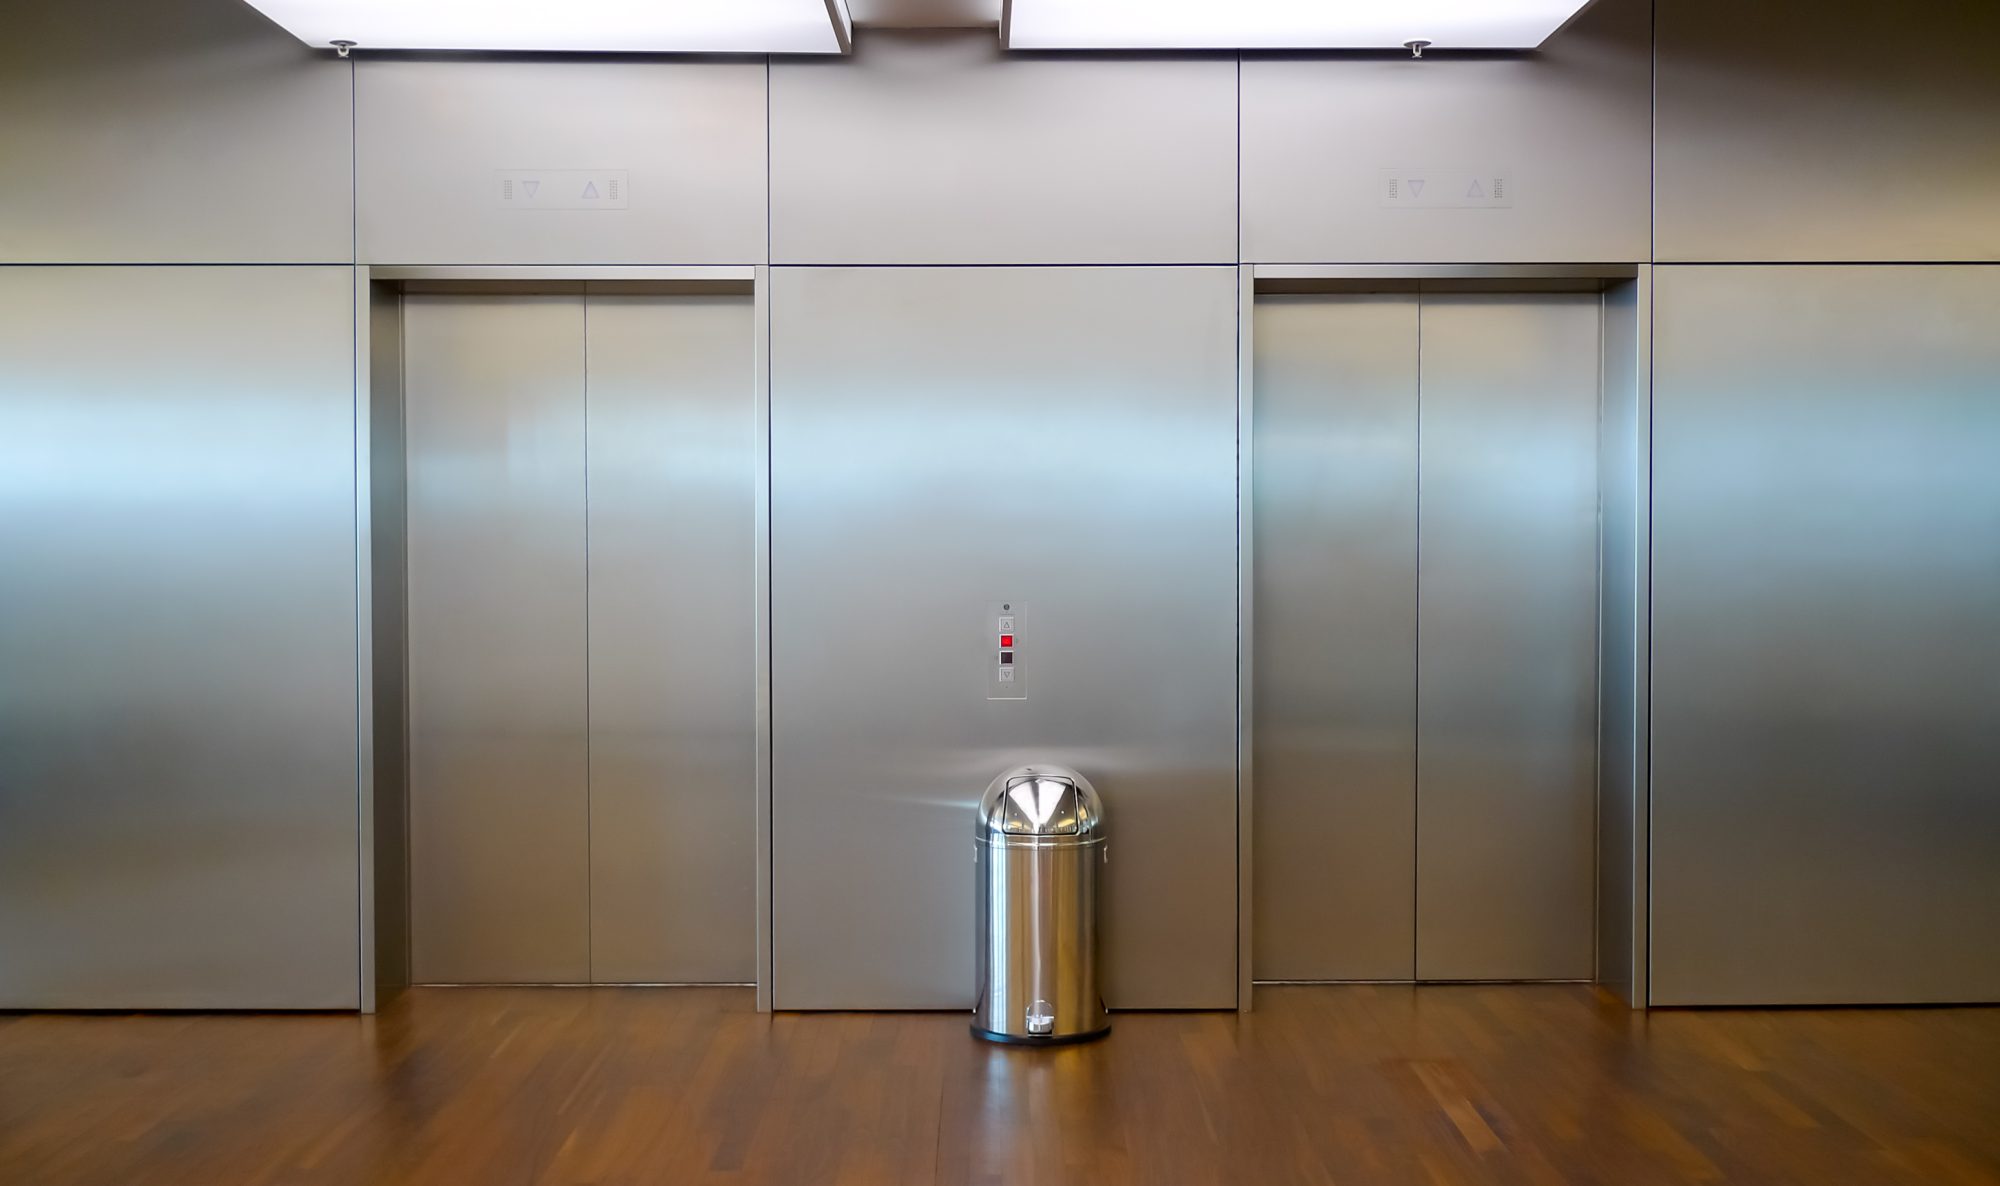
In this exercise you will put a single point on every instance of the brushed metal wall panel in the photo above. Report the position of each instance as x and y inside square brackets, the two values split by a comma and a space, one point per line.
[935, 147]
[1335, 503]
[1507, 638]
[178, 772]
[1826, 804]
[434, 136]
[499, 833]
[1802, 130]
[942, 439]
[1570, 125]
[197, 132]
[670, 492]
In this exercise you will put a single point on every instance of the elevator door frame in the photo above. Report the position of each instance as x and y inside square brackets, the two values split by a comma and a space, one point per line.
[379, 453]
[1624, 460]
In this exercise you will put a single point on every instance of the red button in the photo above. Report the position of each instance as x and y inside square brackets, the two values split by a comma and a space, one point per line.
[1006, 640]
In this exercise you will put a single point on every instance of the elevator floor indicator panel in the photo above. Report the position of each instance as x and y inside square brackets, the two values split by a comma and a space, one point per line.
[1003, 637]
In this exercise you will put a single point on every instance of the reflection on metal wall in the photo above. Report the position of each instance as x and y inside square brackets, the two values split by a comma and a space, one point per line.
[937, 147]
[434, 137]
[1750, 167]
[1826, 804]
[1336, 638]
[177, 653]
[140, 132]
[944, 439]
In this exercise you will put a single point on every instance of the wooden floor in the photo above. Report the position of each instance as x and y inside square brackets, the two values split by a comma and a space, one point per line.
[666, 1087]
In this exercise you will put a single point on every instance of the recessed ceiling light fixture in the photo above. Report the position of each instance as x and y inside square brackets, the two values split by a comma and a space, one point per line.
[1284, 24]
[569, 26]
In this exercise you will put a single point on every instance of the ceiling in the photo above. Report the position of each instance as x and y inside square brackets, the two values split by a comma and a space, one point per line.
[925, 14]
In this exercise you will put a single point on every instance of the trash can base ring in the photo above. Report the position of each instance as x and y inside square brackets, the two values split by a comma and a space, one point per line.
[1055, 1040]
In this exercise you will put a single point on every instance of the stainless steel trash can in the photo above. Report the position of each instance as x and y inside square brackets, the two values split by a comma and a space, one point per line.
[1039, 851]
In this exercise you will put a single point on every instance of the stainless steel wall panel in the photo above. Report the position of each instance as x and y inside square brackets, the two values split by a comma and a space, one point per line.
[943, 439]
[139, 132]
[929, 148]
[178, 771]
[1569, 125]
[1507, 637]
[1335, 500]
[434, 137]
[670, 498]
[1826, 656]
[1801, 130]
[499, 834]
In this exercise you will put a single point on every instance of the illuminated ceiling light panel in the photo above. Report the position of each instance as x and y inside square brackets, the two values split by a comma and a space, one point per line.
[570, 26]
[1284, 24]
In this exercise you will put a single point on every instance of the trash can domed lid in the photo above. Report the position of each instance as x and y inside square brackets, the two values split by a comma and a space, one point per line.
[1040, 800]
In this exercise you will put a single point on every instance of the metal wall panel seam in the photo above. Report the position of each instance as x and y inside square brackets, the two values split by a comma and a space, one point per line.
[761, 635]
[1246, 289]
[1643, 659]
[364, 636]
[1653, 134]
[767, 950]
[589, 838]
[364, 633]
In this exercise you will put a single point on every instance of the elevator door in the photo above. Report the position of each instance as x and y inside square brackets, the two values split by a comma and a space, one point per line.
[1335, 502]
[1425, 506]
[580, 494]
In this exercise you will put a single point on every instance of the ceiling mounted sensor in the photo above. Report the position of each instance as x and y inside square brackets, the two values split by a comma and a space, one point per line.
[1285, 24]
[569, 26]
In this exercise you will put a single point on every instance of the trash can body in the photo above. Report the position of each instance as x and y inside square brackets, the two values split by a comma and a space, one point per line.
[1039, 852]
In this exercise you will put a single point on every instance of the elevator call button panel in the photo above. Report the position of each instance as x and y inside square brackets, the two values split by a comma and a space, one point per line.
[1004, 648]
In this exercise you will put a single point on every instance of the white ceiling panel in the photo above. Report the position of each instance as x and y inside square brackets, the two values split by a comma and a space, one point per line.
[569, 26]
[1285, 24]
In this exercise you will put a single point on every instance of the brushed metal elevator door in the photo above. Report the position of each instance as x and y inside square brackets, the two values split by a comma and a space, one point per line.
[499, 813]
[1507, 637]
[1335, 489]
[581, 484]
[1426, 636]
[580, 551]
[670, 476]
